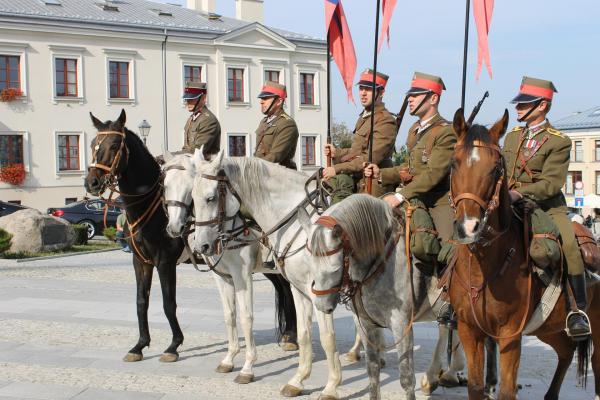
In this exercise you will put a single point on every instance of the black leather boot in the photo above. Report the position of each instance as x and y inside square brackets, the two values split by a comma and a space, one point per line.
[447, 316]
[578, 326]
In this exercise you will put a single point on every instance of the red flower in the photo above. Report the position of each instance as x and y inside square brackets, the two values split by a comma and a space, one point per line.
[13, 174]
[10, 94]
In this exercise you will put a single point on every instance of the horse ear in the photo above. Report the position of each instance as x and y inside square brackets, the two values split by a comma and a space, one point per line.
[167, 156]
[122, 118]
[218, 159]
[97, 123]
[459, 123]
[197, 158]
[304, 220]
[499, 128]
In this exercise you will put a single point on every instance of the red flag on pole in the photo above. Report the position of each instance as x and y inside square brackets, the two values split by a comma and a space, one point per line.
[387, 10]
[340, 41]
[482, 10]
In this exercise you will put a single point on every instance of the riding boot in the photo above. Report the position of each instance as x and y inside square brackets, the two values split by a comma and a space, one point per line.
[578, 326]
[447, 316]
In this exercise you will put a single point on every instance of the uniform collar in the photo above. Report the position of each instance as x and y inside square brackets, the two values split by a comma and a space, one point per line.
[271, 118]
[197, 113]
[422, 126]
[533, 130]
[378, 107]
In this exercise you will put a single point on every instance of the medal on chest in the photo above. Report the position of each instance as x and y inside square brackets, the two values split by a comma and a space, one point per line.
[424, 157]
[529, 146]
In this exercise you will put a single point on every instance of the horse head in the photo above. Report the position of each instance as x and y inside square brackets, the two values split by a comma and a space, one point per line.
[179, 172]
[477, 179]
[109, 154]
[215, 205]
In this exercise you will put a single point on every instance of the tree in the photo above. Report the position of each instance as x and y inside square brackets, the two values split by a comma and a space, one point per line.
[400, 156]
[341, 135]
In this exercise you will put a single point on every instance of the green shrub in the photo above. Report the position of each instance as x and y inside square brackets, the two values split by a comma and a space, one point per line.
[5, 238]
[80, 234]
[110, 233]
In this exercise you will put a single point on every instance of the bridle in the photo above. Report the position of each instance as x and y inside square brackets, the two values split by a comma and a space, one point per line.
[110, 177]
[487, 206]
[176, 203]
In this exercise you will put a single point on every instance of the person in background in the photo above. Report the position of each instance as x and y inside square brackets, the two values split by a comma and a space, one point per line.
[121, 222]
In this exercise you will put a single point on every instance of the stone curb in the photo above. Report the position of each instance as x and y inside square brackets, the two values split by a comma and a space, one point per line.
[20, 260]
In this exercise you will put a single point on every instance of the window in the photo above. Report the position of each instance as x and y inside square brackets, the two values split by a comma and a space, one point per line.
[65, 70]
[597, 191]
[597, 152]
[192, 73]
[572, 178]
[577, 152]
[271, 75]
[69, 200]
[11, 149]
[10, 72]
[235, 84]
[307, 89]
[308, 150]
[237, 145]
[68, 153]
[119, 79]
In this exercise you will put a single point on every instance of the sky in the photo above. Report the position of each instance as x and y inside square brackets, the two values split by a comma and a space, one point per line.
[548, 39]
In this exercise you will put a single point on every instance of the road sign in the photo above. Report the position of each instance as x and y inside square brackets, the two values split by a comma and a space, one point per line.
[579, 193]
[578, 201]
[579, 185]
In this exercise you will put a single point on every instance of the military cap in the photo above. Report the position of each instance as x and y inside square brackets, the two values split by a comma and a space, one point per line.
[272, 89]
[533, 89]
[425, 83]
[366, 79]
[193, 90]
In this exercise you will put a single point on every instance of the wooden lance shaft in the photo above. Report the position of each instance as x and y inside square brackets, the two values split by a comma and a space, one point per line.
[374, 96]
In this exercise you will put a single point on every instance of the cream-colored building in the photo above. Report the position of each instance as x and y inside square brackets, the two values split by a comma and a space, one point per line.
[70, 57]
[584, 130]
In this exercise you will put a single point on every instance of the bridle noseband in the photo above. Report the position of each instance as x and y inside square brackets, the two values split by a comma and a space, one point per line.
[110, 176]
[176, 203]
[494, 201]
[223, 184]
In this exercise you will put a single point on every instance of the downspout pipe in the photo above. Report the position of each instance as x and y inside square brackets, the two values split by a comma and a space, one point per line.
[164, 94]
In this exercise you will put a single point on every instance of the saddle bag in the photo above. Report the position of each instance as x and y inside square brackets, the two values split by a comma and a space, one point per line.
[544, 248]
[588, 246]
[424, 242]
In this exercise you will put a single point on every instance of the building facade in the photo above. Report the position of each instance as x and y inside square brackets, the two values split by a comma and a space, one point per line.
[71, 57]
[584, 130]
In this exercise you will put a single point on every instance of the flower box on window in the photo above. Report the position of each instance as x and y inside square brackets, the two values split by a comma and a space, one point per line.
[13, 174]
[10, 94]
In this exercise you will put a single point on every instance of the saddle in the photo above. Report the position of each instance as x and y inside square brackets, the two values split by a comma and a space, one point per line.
[590, 252]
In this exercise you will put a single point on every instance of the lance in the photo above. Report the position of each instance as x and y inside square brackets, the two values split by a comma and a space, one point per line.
[465, 50]
[374, 95]
[328, 97]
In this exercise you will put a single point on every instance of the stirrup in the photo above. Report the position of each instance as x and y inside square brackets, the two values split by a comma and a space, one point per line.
[580, 336]
[447, 316]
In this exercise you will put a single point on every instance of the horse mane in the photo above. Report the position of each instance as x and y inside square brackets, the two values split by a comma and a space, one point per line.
[367, 222]
[183, 159]
[476, 133]
[250, 173]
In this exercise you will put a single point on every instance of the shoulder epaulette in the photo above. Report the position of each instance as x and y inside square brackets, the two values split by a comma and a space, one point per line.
[516, 128]
[554, 132]
[285, 116]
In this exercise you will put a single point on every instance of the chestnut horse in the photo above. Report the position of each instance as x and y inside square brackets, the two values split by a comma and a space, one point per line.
[492, 287]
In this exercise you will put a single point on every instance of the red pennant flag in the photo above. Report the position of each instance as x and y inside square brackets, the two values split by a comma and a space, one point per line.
[388, 8]
[340, 42]
[482, 10]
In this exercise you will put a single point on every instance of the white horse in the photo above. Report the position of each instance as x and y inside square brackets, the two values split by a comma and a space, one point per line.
[271, 194]
[234, 269]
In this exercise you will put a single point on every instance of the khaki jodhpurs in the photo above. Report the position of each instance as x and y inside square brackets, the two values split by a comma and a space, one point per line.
[569, 243]
[443, 219]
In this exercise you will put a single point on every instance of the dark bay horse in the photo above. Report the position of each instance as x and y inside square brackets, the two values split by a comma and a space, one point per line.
[121, 160]
[492, 287]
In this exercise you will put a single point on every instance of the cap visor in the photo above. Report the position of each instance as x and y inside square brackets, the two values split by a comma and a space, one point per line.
[189, 96]
[415, 90]
[524, 98]
[263, 95]
[367, 84]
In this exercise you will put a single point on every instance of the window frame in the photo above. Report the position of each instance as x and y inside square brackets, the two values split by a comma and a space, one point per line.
[129, 56]
[73, 53]
[246, 138]
[574, 148]
[19, 50]
[596, 150]
[597, 187]
[570, 189]
[194, 60]
[304, 88]
[243, 79]
[318, 159]
[239, 63]
[26, 154]
[315, 71]
[82, 153]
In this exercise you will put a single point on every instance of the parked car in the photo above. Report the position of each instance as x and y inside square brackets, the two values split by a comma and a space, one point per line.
[89, 213]
[9, 208]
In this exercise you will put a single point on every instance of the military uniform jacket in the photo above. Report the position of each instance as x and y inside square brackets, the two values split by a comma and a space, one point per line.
[350, 161]
[537, 168]
[204, 130]
[429, 155]
[277, 140]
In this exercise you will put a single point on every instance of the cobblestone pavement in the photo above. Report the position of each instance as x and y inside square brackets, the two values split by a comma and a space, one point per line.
[66, 323]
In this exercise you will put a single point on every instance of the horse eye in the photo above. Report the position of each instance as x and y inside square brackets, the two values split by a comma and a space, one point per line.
[114, 147]
[211, 198]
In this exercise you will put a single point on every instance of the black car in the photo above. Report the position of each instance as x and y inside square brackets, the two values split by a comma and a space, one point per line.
[89, 213]
[9, 208]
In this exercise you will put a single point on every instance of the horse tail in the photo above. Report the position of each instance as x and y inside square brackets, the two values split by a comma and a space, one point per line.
[584, 348]
[285, 309]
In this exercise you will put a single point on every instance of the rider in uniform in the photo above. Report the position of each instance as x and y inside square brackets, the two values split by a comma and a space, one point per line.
[277, 134]
[346, 174]
[537, 157]
[202, 127]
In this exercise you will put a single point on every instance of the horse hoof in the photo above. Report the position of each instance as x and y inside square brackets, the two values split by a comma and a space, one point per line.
[133, 357]
[428, 388]
[168, 357]
[289, 346]
[244, 379]
[224, 368]
[290, 391]
[352, 357]
[448, 382]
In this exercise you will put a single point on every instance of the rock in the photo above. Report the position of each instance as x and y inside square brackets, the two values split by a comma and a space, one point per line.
[34, 232]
